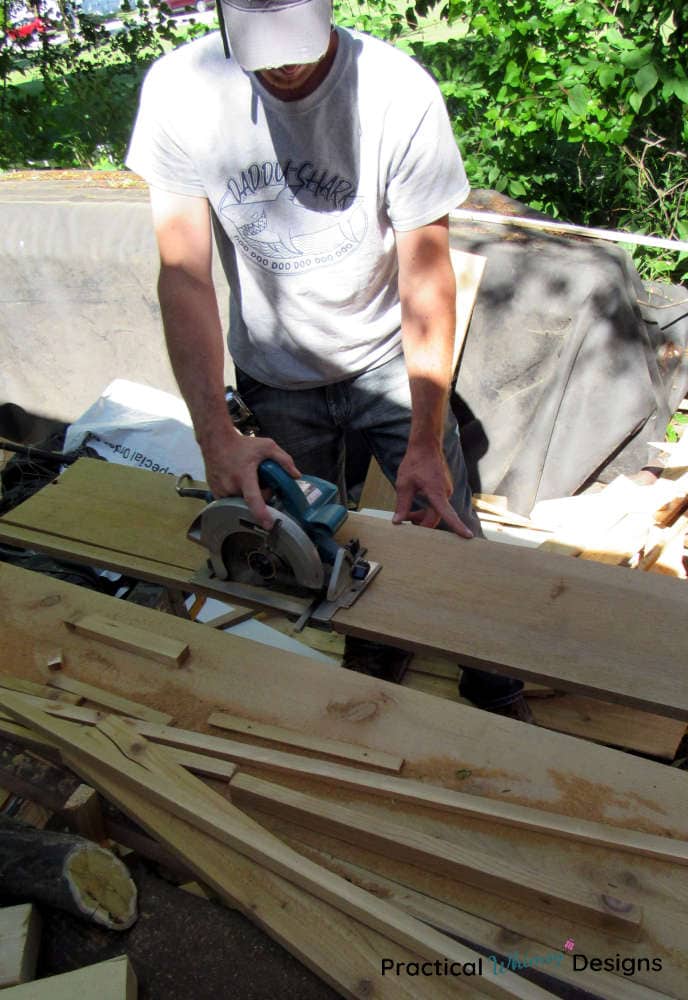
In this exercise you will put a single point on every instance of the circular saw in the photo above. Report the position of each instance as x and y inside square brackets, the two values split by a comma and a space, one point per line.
[297, 556]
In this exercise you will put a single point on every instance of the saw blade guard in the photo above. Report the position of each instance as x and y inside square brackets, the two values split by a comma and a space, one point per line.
[228, 519]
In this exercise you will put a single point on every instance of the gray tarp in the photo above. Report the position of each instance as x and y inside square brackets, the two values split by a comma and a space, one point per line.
[568, 368]
[559, 371]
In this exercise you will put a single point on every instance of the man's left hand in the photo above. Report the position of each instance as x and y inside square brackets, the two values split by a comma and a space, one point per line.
[423, 474]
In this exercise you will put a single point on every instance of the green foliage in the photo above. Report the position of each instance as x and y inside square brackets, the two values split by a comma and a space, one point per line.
[73, 104]
[577, 109]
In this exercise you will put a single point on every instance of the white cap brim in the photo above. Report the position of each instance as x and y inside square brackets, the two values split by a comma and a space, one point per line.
[264, 34]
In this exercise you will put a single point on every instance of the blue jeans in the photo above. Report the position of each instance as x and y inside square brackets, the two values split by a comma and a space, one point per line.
[311, 425]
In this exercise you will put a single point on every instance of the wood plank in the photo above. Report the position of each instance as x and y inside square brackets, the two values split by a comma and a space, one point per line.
[229, 618]
[107, 699]
[468, 927]
[111, 980]
[155, 647]
[475, 602]
[336, 947]
[472, 866]
[443, 744]
[20, 937]
[194, 803]
[589, 718]
[613, 725]
[326, 748]
[40, 690]
[533, 615]
[401, 789]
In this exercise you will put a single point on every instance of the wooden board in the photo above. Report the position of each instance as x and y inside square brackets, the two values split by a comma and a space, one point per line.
[20, 936]
[323, 748]
[589, 718]
[443, 743]
[125, 706]
[111, 980]
[475, 867]
[156, 647]
[574, 625]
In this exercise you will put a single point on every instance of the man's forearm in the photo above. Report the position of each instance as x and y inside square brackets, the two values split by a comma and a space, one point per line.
[193, 332]
[428, 329]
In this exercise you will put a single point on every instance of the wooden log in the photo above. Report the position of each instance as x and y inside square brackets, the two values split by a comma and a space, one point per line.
[134, 640]
[111, 980]
[20, 935]
[67, 872]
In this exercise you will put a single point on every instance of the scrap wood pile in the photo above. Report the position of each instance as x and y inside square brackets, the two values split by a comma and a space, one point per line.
[640, 525]
[152, 771]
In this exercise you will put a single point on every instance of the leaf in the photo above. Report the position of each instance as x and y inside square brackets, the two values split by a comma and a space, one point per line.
[679, 88]
[578, 98]
[606, 75]
[516, 189]
[635, 100]
[645, 79]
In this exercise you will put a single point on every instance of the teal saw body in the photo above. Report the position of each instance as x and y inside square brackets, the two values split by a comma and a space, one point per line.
[298, 555]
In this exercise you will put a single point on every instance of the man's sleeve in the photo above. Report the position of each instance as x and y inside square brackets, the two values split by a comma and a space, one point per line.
[156, 150]
[426, 176]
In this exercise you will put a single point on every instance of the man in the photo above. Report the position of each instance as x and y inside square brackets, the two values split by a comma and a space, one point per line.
[325, 163]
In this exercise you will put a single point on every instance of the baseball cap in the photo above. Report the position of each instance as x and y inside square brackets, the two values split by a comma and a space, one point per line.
[263, 34]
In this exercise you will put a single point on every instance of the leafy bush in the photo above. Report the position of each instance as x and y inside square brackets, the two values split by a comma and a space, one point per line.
[573, 107]
[73, 104]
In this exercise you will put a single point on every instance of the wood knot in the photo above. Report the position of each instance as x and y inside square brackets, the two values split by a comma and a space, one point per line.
[616, 905]
[353, 711]
[50, 601]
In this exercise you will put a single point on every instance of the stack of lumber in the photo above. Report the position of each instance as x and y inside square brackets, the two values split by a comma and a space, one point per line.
[626, 523]
[214, 837]
[357, 821]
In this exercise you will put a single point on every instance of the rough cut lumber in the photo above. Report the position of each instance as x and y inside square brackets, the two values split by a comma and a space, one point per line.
[402, 789]
[83, 814]
[234, 617]
[327, 748]
[188, 799]
[106, 699]
[156, 647]
[68, 872]
[111, 980]
[40, 690]
[452, 920]
[20, 936]
[519, 611]
[344, 952]
[478, 868]
[441, 743]
[209, 767]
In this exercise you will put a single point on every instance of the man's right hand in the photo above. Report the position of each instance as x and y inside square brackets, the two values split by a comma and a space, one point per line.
[231, 465]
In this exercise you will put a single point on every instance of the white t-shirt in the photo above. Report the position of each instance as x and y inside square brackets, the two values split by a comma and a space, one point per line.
[306, 196]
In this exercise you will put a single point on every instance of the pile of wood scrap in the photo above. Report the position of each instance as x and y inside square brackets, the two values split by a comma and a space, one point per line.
[360, 823]
[212, 835]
